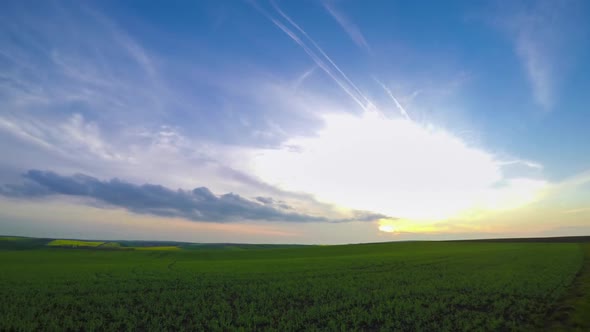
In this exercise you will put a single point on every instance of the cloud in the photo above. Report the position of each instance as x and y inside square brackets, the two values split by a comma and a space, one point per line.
[269, 201]
[527, 163]
[86, 96]
[351, 29]
[61, 59]
[396, 167]
[58, 57]
[79, 93]
[199, 204]
[73, 139]
[544, 36]
[538, 67]
[393, 166]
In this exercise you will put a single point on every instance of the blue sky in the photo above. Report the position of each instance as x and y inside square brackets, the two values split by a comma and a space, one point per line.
[296, 122]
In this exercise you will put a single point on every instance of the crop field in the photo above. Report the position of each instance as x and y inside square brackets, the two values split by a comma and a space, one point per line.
[428, 286]
[75, 243]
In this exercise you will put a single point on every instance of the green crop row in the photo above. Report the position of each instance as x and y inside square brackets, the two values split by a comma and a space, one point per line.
[404, 286]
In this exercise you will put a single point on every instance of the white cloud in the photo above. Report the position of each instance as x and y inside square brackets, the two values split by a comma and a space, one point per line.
[394, 166]
[544, 36]
[73, 138]
[538, 66]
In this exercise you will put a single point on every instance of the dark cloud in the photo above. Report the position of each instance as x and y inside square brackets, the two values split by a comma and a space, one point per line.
[269, 201]
[199, 204]
[265, 200]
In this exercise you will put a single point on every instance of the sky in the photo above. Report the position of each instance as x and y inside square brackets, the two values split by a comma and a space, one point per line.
[321, 122]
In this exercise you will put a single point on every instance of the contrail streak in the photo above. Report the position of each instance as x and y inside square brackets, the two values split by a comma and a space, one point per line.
[323, 61]
[304, 76]
[318, 61]
[321, 51]
[399, 106]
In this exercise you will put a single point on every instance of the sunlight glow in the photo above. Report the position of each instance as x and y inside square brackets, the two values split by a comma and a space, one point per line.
[393, 166]
[386, 225]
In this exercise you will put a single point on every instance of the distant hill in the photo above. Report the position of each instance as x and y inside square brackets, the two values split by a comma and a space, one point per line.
[22, 243]
[559, 239]
[27, 243]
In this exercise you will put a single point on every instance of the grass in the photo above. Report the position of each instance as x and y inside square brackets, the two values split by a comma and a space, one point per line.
[442, 286]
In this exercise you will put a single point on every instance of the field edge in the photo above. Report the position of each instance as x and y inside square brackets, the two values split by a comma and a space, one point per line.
[571, 311]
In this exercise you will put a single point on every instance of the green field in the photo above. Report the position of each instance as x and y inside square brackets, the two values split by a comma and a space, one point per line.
[75, 243]
[427, 286]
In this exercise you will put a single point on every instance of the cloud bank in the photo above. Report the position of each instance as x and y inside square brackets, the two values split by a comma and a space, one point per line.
[199, 204]
[395, 166]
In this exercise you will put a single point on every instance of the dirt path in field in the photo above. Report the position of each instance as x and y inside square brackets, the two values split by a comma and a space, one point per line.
[573, 311]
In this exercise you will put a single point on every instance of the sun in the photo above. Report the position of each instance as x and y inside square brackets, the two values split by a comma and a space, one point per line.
[386, 226]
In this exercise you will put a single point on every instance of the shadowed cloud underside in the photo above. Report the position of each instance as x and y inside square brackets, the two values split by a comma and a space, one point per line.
[199, 204]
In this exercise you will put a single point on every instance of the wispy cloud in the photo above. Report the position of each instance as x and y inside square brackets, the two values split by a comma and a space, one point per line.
[351, 29]
[74, 138]
[543, 36]
[538, 67]
[527, 163]
[199, 204]
[53, 68]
